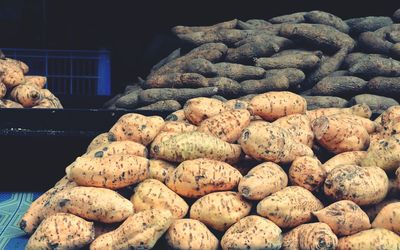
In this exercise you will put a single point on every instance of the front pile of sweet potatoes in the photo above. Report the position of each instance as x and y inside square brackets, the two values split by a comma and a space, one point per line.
[242, 174]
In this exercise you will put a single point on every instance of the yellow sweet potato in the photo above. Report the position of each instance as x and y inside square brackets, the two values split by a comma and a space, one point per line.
[190, 234]
[10, 104]
[178, 127]
[196, 178]
[27, 95]
[113, 172]
[227, 125]
[161, 137]
[377, 238]
[267, 142]
[389, 218]
[369, 125]
[13, 75]
[139, 231]
[262, 180]
[39, 81]
[372, 184]
[289, 207]
[62, 231]
[313, 236]
[220, 210]
[252, 232]
[193, 145]
[137, 128]
[361, 110]
[118, 148]
[372, 211]
[307, 172]
[160, 169]
[100, 140]
[339, 134]
[346, 158]
[299, 126]
[200, 108]
[19, 64]
[153, 194]
[177, 116]
[344, 218]
[273, 105]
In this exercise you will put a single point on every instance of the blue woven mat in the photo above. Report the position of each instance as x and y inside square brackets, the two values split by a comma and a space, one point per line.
[12, 208]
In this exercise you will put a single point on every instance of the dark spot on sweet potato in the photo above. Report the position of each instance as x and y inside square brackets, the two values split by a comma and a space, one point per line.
[99, 154]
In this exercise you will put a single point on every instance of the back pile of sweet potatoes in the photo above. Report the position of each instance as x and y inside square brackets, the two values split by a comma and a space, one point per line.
[261, 172]
[18, 90]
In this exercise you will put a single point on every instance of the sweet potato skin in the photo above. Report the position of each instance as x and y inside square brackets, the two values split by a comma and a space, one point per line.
[307, 172]
[346, 158]
[388, 218]
[380, 238]
[118, 148]
[198, 109]
[178, 127]
[299, 126]
[27, 95]
[160, 170]
[99, 140]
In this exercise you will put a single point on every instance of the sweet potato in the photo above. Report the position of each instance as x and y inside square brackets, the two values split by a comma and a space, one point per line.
[137, 128]
[376, 41]
[113, 172]
[227, 126]
[345, 158]
[27, 95]
[39, 81]
[189, 29]
[177, 80]
[3, 90]
[304, 62]
[100, 140]
[297, 17]
[253, 24]
[377, 104]
[201, 66]
[361, 110]
[226, 36]
[372, 188]
[238, 72]
[317, 102]
[118, 148]
[263, 141]
[139, 231]
[226, 86]
[129, 100]
[177, 116]
[388, 86]
[149, 96]
[153, 194]
[299, 126]
[198, 109]
[369, 125]
[321, 17]
[388, 218]
[193, 145]
[161, 137]
[62, 231]
[178, 127]
[311, 236]
[220, 210]
[289, 207]
[376, 67]
[339, 85]
[196, 178]
[252, 232]
[379, 238]
[160, 169]
[369, 23]
[262, 181]
[373, 211]
[190, 234]
[307, 172]
[355, 57]
[270, 83]
[273, 105]
[12, 75]
[344, 218]
[162, 106]
[295, 76]
[340, 73]
[10, 104]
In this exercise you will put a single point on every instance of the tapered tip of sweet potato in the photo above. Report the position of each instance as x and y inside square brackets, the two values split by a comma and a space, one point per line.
[320, 126]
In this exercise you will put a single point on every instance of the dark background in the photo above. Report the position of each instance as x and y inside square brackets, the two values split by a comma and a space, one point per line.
[138, 32]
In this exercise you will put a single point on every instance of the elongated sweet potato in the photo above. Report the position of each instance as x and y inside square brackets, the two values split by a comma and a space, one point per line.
[311, 236]
[227, 126]
[295, 76]
[269, 83]
[345, 158]
[377, 104]
[172, 56]
[253, 24]
[372, 188]
[273, 105]
[27, 95]
[177, 80]
[153, 194]
[297, 17]
[178, 127]
[376, 41]
[226, 86]
[198, 109]
[162, 106]
[369, 23]
[196, 178]
[39, 81]
[299, 126]
[149, 96]
[299, 61]
[252, 232]
[137, 128]
[139, 231]
[317, 102]
[238, 72]
[361, 110]
[339, 86]
[263, 141]
[388, 218]
[289, 207]
[379, 238]
[388, 86]
[201, 66]
[62, 231]
[262, 181]
[118, 148]
[161, 137]
[376, 67]
[113, 172]
[322, 17]
[220, 210]
[344, 218]
[189, 29]
[307, 172]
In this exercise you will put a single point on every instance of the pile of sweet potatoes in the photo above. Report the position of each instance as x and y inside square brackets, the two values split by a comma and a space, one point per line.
[330, 61]
[18, 90]
[241, 174]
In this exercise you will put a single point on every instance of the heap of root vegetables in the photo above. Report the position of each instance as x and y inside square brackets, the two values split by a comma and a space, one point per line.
[312, 53]
[241, 174]
[18, 90]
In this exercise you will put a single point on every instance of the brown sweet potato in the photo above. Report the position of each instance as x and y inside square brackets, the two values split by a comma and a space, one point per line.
[39, 81]
[226, 36]
[225, 86]
[139, 231]
[368, 23]
[377, 104]
[317, 102]
[344, 218]
[137, 128]
[377, 66]
[162, 106]
[299, 61]
[372, 188]
[201, 66]
[196, 178]
[307, 172]
[299, 126]
[160, 169]
[339, 85]
[177, 80]
[220, 210]
[178, 127]
[376, 41]
[118, 148]
[227, 126]
[289, 207]
[379, 238]
[27, 95]
[297, 17]
[263, 141]
[270, 83]
[149, 96]
[252, 232]
[295, 76]
[190, 234]
[62, 231]
[189, 29]
[322, 17]
[198, 109]
[345, 158]
[253, 24]
[238, 72]
[262, 181]
[388, 86]
[172, 56]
